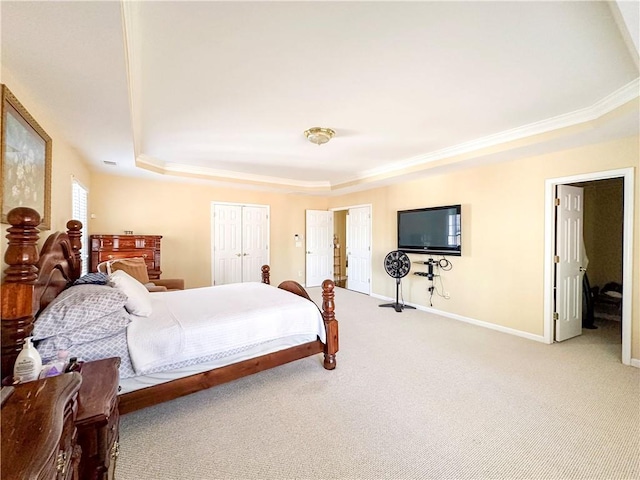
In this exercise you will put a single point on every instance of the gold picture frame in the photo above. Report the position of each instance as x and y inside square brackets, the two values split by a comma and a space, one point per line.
[25, 161]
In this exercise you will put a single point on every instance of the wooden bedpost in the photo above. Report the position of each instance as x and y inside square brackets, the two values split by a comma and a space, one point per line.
[74, 231]
[330, 323]
[17, 311]
[265, 274]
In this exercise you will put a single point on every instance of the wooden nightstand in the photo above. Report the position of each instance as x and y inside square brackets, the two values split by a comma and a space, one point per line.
[98, 419]
[38, 433]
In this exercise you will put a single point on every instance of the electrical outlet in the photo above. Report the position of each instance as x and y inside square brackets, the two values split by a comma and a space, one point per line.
[299, 273]
[446, 295]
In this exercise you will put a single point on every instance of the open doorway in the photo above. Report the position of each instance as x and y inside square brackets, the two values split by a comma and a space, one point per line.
[603, 241]
[340, 261]
[608, 221]
[352, 248]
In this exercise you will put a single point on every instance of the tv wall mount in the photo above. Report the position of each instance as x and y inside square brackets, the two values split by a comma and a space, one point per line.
[397, 265]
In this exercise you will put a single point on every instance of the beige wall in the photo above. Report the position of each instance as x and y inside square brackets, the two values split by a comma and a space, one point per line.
[66, 162]
[499, 277]
[181, 213]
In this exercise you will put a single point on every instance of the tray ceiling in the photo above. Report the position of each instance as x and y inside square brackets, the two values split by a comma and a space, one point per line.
[225, 90]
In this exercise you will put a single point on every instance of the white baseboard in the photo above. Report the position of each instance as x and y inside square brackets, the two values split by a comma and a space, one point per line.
[473, 321]
[635, 362]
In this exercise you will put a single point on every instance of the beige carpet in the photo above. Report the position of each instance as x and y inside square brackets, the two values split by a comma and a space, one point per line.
[414, 396]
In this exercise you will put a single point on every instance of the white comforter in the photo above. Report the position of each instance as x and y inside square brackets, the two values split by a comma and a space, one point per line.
[194, 323]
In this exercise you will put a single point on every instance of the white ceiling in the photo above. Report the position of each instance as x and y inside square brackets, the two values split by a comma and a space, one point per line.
[225, 90]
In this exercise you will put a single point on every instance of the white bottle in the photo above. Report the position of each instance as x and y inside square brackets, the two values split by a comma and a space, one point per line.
[28, 364]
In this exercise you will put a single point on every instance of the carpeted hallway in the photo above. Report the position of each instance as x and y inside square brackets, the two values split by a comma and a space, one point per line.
[414, 396]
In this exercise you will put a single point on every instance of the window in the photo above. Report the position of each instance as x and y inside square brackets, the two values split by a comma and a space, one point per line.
[79, 202]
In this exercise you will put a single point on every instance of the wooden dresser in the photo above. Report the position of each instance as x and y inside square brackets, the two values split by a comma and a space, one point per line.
[39, 432]
[98, 419]
[112, 247]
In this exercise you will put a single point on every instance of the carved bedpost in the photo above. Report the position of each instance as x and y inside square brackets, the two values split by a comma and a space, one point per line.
[265, 274]
[17, 310]
[330, 323]
[74, 231]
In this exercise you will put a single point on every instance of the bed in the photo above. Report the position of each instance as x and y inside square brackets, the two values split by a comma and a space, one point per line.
[35, 282]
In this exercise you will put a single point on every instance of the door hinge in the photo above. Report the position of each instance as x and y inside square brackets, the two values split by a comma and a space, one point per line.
[555, 316]
[556, 202]
[556, 259]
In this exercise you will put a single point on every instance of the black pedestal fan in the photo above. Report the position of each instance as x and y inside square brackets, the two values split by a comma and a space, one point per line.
[397, 265]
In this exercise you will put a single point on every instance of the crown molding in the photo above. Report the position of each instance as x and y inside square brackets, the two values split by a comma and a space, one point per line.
[159, 166]
[607, 104]
[602, 107]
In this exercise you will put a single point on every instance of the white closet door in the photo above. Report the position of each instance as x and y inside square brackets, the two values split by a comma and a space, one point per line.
[227, 244]
[240, 243]
[255, 242]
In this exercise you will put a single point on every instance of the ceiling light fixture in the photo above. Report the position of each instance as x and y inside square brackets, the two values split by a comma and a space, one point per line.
[319, 135]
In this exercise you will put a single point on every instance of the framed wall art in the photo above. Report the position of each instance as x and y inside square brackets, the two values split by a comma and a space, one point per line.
[25, 161]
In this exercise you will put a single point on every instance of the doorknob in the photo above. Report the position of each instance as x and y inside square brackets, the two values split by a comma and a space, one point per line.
[245, 254]
[582, 269]
[308, 251]
[238, 254]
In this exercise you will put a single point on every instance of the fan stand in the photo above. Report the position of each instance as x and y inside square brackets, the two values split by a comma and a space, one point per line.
[397, 305]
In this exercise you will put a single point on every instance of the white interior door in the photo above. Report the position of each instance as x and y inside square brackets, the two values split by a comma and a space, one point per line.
[255, 242]
[240, 243]
[359, 249]
[319, 252]
[227, 244]
[569, 262]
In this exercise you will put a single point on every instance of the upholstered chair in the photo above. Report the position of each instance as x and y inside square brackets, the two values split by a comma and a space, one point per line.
[137, 268]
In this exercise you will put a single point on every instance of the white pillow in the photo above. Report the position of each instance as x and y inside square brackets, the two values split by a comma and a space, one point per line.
[138, 299]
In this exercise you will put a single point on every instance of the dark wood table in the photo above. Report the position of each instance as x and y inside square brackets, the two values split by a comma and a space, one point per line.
[38, 430]
[98, 419]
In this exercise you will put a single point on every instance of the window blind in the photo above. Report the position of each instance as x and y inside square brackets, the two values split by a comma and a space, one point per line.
[79, 196]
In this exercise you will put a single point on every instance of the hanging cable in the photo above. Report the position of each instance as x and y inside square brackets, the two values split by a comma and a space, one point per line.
[445, 264]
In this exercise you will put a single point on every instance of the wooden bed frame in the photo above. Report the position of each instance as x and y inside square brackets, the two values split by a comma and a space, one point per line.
[33, 279]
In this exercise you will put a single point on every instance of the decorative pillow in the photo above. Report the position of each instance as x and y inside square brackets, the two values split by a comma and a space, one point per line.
[75, 307]
[138, 299]
[136, 267]
[100, 328]
[92, 279]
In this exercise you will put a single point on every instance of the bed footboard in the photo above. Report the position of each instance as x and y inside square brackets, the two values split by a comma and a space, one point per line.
[328, 315]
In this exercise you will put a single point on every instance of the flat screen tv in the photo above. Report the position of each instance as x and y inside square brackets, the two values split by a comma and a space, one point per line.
[434, 230]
